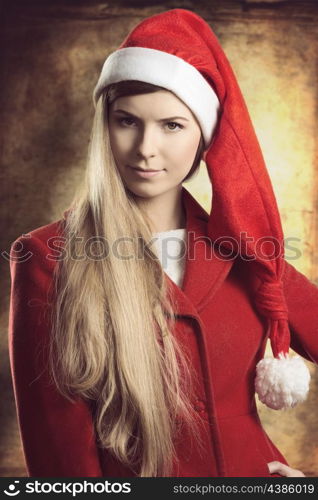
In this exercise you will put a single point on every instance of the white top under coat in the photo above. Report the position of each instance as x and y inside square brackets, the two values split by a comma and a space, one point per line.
[171, 251]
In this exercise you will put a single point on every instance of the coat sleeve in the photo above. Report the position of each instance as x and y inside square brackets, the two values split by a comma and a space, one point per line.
[57, 435]
[302, 301]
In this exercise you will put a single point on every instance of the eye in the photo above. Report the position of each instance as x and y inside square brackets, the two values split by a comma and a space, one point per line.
[123, 121]
[177, 125]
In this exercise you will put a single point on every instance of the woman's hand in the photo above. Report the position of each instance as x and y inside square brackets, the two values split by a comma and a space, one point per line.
[284, 470]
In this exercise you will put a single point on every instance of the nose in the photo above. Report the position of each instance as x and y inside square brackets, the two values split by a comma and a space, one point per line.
[146, 143]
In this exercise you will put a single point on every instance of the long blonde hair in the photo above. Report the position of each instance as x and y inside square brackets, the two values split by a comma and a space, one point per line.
[112, 339]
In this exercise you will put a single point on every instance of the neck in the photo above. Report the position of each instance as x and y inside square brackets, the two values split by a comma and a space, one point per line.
[164, 211]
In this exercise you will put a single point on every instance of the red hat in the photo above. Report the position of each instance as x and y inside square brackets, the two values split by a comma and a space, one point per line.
[177, 50]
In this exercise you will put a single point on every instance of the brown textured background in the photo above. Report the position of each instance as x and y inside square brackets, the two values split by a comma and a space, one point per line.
[51, 55]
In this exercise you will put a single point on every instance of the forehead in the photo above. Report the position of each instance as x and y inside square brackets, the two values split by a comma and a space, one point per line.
[162, 102]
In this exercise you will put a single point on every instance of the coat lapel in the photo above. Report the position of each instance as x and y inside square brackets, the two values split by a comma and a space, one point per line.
[205, 268]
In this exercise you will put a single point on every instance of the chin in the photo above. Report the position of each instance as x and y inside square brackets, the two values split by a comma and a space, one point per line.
[145, 191]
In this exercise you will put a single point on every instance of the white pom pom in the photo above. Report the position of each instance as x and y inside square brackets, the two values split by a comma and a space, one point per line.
[282, 383]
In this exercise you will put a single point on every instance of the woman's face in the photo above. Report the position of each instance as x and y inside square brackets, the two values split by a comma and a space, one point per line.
[153, 132]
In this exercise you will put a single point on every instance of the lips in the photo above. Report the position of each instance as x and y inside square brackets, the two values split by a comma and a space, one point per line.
[145, 174]
[143, 170]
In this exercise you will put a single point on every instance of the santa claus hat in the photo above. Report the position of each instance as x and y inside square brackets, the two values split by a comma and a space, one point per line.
[177, 50]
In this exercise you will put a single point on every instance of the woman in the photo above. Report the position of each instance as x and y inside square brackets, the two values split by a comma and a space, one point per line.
[120, 368]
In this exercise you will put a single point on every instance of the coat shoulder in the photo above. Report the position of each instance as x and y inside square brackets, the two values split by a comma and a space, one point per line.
[38, 248]
[42, 234]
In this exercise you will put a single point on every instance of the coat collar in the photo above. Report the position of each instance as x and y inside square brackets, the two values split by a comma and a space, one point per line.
[205, 268]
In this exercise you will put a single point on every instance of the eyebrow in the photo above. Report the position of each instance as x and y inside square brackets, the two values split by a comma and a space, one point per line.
[161, 120]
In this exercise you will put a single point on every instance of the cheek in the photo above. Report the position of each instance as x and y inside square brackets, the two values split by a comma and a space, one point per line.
[186, 149]
[119, 144]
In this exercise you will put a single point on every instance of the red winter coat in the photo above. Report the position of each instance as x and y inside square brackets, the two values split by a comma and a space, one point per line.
[222, 331]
